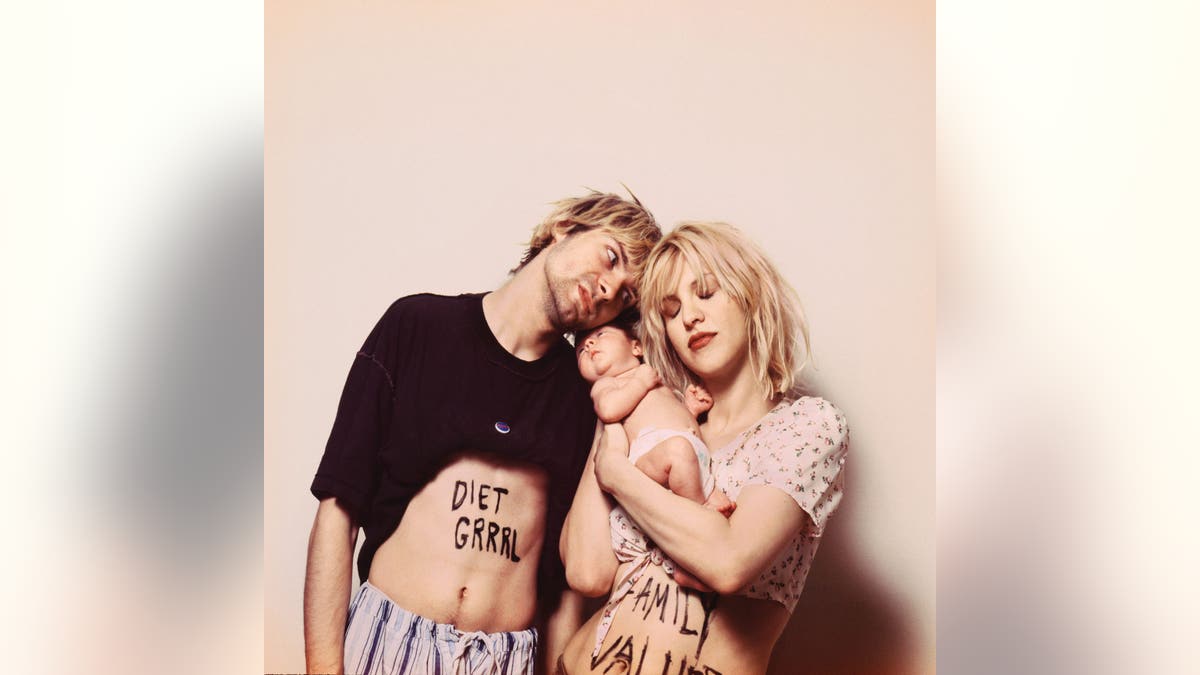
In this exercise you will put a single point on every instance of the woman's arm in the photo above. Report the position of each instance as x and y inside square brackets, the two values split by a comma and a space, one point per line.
[725, 554]
[585, 544]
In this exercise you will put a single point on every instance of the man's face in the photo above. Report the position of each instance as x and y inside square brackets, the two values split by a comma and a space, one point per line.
[587, 280]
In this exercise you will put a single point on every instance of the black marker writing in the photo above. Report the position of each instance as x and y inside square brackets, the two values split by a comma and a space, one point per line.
[471, 534]
[620, 655]
[482, 534]
[465, 492]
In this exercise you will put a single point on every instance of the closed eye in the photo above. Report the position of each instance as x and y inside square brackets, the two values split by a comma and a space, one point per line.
[670, 307]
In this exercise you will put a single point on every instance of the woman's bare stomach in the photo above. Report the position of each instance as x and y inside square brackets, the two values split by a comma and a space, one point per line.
[663, 628]
[466, 551]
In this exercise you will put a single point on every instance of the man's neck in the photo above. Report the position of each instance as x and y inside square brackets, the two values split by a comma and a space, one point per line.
[516, 315]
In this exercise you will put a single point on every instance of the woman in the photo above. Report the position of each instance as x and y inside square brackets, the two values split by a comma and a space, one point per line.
[715, 312]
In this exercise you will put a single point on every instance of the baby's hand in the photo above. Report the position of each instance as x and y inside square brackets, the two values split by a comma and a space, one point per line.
[697, 399]
[648, 375]
[718, 501]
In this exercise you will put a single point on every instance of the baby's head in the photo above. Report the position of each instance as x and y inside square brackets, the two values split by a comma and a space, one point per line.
[610, 349]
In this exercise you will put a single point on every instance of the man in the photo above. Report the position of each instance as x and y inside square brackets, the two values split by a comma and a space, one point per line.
[459, 439]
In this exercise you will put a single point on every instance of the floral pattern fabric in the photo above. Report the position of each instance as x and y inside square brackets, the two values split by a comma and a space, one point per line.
[800, 448]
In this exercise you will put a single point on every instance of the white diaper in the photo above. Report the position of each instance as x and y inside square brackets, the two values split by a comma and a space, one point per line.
[651, 437]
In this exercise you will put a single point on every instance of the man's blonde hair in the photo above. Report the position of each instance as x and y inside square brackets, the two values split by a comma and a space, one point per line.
[775, 324]
[630, 223]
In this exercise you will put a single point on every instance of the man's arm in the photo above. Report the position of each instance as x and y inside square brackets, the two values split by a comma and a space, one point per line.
[560, 627]
[327, 586]
[616, 397]
[585, 544]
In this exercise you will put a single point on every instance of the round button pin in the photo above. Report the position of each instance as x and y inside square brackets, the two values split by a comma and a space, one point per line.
[502, 427]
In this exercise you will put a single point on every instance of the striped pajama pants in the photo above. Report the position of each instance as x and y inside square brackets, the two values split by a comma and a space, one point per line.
[384, 639]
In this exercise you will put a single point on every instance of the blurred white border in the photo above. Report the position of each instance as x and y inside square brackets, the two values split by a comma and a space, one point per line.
[1067, 148]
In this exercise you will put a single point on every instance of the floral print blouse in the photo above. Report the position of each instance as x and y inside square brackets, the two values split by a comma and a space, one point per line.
[799, 447]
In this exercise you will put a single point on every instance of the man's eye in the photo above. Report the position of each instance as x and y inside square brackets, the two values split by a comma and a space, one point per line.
[612, 257]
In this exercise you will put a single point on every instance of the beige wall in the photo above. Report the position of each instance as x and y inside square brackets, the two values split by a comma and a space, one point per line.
[411, 148]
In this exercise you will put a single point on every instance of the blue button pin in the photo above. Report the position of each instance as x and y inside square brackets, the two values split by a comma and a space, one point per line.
[502, 427]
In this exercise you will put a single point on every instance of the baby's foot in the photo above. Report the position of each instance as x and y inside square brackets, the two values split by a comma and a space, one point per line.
[697, 399]
[718, 501]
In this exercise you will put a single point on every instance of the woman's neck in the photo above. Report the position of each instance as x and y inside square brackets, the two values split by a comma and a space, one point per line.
[737, 403]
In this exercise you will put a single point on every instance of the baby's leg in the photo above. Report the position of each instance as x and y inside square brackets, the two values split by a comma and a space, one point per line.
[673, 464]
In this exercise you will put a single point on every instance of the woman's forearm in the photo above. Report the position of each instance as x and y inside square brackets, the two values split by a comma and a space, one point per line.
[585, 542]
[687, 531]
[725, 554]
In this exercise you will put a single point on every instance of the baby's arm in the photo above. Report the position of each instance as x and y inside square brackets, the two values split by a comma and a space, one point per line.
[616, 397]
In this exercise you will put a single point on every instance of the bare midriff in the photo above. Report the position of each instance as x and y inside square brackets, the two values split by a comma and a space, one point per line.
[466, 552]
[663, 628]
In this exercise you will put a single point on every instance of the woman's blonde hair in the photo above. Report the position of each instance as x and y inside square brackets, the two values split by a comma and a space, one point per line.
[775, 324]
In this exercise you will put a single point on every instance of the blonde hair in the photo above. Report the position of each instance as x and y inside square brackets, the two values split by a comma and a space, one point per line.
[630, 223]
[775, 325]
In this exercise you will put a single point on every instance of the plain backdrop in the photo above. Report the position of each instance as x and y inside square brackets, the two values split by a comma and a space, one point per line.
[413, 147]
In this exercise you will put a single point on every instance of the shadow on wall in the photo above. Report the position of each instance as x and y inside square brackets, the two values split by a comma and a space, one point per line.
[845, 621]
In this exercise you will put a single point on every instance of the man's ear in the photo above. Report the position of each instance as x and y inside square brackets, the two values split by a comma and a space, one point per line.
[636, 346]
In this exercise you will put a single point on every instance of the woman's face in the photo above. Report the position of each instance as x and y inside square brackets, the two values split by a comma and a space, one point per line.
[707, 329]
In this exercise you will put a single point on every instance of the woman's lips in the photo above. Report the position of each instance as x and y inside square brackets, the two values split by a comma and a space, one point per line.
[700, 340]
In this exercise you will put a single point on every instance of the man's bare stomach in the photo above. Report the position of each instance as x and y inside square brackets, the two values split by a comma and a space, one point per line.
[663, 628]
[466, 552]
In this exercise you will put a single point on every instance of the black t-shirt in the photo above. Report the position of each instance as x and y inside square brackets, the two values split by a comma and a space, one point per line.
[430, 381]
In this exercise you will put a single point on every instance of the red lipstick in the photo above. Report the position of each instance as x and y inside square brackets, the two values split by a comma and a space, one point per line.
[700, 340]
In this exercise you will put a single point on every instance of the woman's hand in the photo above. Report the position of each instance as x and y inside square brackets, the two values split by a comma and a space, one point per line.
[612, 455]
[684, 578]
[584, 543]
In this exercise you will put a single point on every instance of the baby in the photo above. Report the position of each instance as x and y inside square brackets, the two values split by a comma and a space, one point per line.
[663, 443]
[660, 424]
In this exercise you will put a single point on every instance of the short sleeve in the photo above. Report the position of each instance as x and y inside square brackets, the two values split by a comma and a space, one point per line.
[349, 467]
[801, 451]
